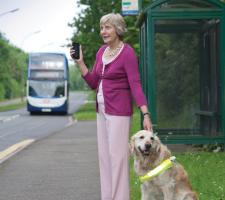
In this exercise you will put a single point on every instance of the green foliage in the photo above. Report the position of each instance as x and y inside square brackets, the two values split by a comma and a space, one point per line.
[76, 81]
[136, 121]
[146, 3]
[12, 70]
[86, 26]
[15, 88]
[2, 91]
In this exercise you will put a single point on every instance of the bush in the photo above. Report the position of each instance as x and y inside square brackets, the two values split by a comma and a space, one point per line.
[15, 88]
[2, 92]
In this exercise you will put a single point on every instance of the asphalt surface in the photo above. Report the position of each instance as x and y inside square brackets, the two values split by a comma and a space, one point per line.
[18, 125]
[63, 166]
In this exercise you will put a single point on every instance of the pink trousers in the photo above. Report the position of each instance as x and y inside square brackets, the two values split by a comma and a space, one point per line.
[113, 153]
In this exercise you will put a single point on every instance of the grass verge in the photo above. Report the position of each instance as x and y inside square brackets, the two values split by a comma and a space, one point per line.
[87, 112]
[206, 170]
[12, 107]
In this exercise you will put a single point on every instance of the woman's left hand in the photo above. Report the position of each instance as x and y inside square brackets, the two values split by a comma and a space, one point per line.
[147, 124]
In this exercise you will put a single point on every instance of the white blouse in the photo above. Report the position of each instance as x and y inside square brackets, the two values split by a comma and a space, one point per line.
[105, 61]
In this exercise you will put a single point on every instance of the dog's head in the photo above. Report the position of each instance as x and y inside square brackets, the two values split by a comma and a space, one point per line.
[144, 143]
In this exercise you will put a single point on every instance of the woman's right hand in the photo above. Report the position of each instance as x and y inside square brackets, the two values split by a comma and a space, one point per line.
[80, 60]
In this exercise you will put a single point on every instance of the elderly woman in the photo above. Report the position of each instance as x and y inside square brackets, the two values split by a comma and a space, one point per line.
[115, 78]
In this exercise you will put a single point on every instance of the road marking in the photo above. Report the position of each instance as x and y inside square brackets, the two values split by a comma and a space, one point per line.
[8, 118]
[7, 153]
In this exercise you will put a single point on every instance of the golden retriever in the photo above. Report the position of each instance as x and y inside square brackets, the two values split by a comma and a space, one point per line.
[172, 184]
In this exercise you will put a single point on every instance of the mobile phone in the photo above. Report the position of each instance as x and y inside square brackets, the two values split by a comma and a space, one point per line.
[76, 48]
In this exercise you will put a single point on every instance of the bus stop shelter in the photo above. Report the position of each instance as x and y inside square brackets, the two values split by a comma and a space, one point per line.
[182, 64]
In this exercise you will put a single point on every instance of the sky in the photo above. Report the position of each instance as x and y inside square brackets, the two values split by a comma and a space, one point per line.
[38, 25]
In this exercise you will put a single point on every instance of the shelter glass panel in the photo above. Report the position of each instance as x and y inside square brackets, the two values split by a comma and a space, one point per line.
[187, 77]
[186, 4]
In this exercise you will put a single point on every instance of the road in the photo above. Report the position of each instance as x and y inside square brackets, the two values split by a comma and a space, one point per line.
[19, 125]
[60, 166]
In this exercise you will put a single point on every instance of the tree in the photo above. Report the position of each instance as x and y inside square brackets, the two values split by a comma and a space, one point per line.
[12, 70]
[76, 82]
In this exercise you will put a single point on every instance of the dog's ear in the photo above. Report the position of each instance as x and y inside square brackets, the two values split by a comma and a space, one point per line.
[158, 148]
[162, 148]
[157, 140]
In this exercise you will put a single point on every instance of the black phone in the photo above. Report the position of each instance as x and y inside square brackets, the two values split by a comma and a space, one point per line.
[76, 48]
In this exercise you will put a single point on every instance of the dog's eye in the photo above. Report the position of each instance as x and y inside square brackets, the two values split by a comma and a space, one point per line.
[142, 137]
[152, 138]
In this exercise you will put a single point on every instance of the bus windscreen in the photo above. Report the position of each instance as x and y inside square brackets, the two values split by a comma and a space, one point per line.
[47, 62]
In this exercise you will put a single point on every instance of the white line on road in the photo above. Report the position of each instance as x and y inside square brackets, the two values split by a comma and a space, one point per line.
[8, 118]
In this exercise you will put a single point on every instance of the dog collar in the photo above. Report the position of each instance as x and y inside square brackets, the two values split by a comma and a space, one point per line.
[166, 164]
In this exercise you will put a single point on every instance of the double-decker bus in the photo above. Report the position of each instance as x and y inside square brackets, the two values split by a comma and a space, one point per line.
[47, 83]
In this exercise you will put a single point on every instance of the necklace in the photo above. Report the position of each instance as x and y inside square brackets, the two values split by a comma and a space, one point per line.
[113, 52]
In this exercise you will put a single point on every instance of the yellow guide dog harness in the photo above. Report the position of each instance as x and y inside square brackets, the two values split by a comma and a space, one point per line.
[166, 164]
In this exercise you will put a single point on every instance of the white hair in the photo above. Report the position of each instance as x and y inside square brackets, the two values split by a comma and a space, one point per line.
[117, 21]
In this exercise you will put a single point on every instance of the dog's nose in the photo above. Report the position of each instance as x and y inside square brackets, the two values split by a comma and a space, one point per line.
[147, 146]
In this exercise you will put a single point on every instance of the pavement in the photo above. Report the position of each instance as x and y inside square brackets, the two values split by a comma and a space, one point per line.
[63, 166]
[12, 101]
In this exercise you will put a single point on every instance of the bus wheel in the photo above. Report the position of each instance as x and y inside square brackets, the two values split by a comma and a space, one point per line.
[32, 113]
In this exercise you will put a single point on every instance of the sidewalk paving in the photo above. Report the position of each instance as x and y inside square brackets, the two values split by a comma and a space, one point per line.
[63, 166]
[12, 101]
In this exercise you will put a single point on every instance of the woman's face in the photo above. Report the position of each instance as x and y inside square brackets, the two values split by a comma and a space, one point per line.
[108, 33]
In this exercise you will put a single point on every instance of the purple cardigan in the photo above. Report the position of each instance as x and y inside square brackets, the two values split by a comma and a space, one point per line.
[120, 82]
